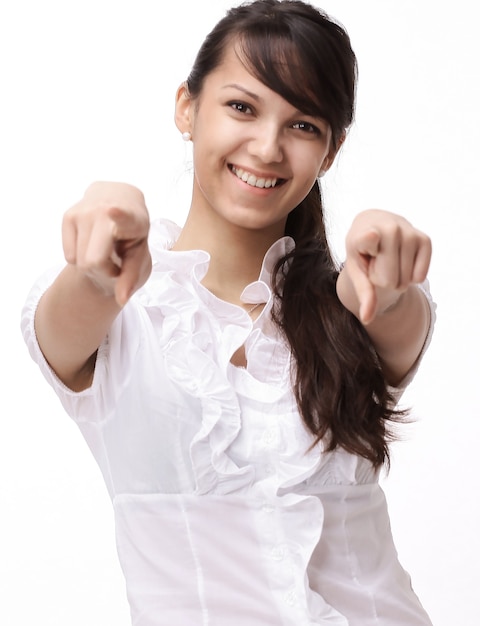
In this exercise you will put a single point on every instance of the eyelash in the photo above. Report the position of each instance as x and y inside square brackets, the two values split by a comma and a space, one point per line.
[245, 109]
[307, 127]
[236, 106]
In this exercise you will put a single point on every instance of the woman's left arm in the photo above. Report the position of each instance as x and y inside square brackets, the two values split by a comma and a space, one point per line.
[386, 260]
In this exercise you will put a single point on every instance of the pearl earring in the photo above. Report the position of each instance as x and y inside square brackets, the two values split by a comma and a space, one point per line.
[321, 174]
[186, 136]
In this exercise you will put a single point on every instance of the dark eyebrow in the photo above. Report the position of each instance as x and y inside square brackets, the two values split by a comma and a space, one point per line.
[252, 95]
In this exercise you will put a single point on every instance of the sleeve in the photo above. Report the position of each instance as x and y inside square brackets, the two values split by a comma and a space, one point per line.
[114, 363]
[400, 388]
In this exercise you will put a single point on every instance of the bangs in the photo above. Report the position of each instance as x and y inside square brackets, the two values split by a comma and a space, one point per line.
[304, 73]
[295, 50]
[277, 63]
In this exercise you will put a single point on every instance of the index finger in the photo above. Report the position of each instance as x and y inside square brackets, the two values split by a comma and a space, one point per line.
[364, 290]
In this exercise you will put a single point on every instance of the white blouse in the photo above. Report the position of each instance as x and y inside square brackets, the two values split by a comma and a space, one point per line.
[223, 514]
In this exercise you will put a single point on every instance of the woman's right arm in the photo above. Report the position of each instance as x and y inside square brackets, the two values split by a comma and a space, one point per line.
[105, 241]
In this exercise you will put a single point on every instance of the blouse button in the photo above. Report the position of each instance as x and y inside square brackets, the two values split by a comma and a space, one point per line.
[269, 437]
[278, 553]
[291, 598]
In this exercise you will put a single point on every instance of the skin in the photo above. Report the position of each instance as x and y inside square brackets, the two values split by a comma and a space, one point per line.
[237, 121]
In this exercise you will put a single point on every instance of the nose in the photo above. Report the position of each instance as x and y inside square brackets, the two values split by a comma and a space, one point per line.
[266, 144]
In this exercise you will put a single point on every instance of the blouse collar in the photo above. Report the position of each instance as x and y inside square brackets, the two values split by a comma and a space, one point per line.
[164, 234]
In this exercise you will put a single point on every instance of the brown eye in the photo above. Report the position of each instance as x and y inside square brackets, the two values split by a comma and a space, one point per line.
[306, 127]
[241, 107]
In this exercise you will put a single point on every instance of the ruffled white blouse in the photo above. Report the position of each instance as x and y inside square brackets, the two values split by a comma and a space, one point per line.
[224, 516]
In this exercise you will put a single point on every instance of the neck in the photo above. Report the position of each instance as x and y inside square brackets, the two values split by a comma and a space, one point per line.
[236, 254]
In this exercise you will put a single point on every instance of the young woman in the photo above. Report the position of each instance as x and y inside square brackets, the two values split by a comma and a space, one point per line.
[236, 387]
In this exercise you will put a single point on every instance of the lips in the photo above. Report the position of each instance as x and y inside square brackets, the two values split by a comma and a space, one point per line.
[261, 182]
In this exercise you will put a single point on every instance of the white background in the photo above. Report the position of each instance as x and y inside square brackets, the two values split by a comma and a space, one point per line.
[87, 93]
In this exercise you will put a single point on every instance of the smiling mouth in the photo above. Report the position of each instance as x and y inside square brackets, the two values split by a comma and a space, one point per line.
[255, 181]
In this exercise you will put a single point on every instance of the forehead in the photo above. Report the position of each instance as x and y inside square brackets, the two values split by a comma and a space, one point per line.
[234, 78]
[235, 69]
[233, 63]
[276, 65]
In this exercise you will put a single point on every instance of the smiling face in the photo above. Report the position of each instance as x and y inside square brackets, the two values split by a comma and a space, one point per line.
[255, 155]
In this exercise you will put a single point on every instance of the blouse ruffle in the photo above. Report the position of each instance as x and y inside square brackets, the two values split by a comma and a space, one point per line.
[248, 441]
[200, 333]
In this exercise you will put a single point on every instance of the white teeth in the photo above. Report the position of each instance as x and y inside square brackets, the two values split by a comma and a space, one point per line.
[252, 180]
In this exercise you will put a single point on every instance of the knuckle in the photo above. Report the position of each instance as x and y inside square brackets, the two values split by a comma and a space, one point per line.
[70, 256]
[90, 262]
[394, 231]
[426, 241]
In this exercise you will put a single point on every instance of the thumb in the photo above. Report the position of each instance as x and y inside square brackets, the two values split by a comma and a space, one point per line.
[129, 225]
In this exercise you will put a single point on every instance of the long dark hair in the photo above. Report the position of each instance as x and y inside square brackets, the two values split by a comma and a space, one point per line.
[305, 56]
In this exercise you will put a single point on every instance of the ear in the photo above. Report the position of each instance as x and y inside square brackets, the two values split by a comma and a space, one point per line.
[183, 109]
[331, 156]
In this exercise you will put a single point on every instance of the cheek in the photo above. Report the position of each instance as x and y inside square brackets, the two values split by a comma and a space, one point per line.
[308, 159]
[308, 169]
[211, 147]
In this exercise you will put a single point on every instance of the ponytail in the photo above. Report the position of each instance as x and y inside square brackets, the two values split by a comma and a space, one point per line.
[338, 381]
